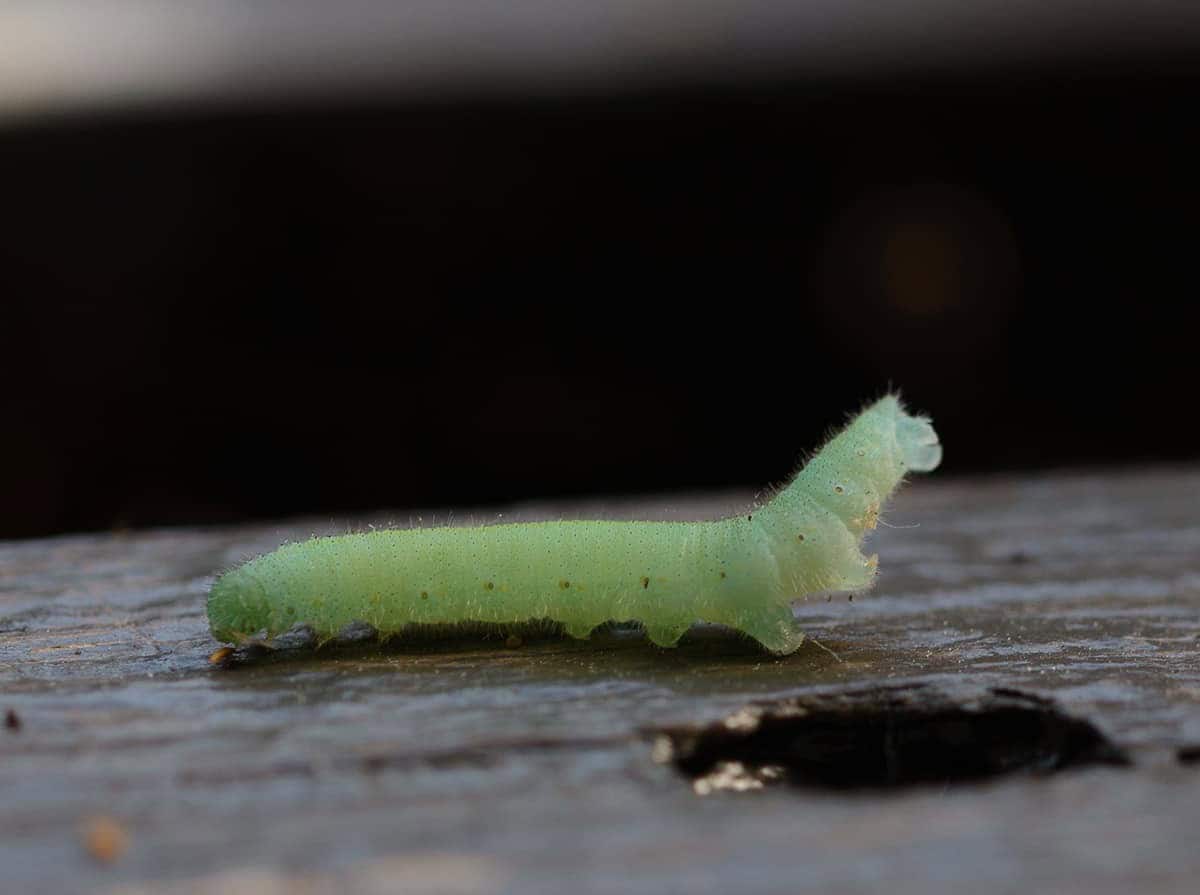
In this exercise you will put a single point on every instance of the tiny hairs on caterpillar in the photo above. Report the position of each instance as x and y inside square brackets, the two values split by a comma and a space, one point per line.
[741, 572]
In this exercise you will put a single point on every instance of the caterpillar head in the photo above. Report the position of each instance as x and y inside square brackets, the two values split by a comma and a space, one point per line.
[237, 605]
[920, 450]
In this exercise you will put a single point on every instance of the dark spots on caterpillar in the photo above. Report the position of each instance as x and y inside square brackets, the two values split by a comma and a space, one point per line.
[564, 584]
[489, 585]
[800, 537]
[645, 582]
[838, 489]
[750, 518]
[884, 738]
[424, 595]
[722, 574]
[12, 721]
[850, 599]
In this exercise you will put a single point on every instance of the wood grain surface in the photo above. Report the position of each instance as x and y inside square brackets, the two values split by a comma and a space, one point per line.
[130, 763]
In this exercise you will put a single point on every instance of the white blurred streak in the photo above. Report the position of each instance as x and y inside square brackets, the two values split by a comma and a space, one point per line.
[72, 55]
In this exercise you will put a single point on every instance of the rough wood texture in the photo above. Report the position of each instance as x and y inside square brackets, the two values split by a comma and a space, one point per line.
[485, 768]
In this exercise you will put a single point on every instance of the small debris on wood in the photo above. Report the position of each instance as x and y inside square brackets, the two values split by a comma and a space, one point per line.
[105, 839]
[220, 656]
[12, 721]
[1188, 755]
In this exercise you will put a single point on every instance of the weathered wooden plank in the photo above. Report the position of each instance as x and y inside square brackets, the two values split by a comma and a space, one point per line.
[481, 768]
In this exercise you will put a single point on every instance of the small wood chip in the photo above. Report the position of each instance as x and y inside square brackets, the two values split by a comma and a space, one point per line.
[105, 839]
[220, 656]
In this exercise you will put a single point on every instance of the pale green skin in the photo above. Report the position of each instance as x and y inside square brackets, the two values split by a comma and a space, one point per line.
[742, 572]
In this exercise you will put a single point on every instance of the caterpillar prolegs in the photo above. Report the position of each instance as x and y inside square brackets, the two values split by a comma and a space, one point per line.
[742, 571]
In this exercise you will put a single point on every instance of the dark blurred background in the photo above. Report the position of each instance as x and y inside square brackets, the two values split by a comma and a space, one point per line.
[327, 293]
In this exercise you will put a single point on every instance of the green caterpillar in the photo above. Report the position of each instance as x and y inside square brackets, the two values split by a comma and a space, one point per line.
[742, 571]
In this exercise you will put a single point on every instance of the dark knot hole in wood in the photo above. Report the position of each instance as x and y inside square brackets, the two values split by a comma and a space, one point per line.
[884, 739]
